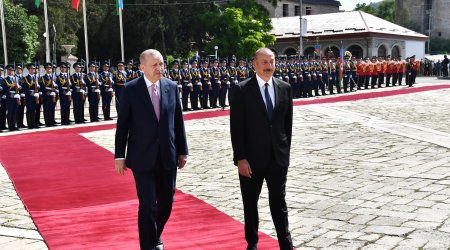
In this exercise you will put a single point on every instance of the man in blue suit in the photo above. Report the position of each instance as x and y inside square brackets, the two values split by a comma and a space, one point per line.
[150, 129]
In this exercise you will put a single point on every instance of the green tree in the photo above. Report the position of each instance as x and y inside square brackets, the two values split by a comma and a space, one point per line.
[385, 9]
[238, 30]
[21, 33]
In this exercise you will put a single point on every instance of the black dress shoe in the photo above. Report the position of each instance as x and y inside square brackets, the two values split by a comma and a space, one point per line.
[159, 245]
[252, 247]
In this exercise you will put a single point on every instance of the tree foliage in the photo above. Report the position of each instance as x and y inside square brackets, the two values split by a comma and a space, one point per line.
[21, 33]
[385, 9]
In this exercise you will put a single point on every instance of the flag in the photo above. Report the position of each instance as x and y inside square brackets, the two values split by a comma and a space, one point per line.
[75, 4]
[119, 5]
[38, 3]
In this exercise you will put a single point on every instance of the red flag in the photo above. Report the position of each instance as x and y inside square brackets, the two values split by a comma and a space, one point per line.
[75, 4]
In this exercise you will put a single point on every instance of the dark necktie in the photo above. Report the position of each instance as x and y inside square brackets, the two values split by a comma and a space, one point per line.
[269, 104]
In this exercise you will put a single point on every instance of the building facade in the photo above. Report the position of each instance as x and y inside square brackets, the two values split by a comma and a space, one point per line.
[358, 32]
[286, 8]
[430, 17]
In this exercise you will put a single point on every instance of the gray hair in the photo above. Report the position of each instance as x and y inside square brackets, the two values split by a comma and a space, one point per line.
[149, 53]
[265, 51]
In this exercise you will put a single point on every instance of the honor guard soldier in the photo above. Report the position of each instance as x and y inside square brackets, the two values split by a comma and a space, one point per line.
[78, 93]
[373, 72]
[224, 83]
[299, 75]
[325, 75]
[306, 77]
[41, 98]
[187, 87]
[120, 77]
[107, 91]
[47, 87]
[206, 83]
[65, 93]
[367, 72]
[353, 74]
[11, 87]
[55, 87]
[166, 70]
[413, 68]
[139, 71]
[196, 84]
[388, 68]
[21, 109]
[174, 75]
[233, 79]
[291, 75]
[3, 94]
[251, 68]
[131, 75]
[277, 72]
[380, 70]
[333, 75]
[242, 72]
[284, 70]
[31, 90]
[394, 67]
[360, 73]
[215, 84]
[93, 89]
[347, 71]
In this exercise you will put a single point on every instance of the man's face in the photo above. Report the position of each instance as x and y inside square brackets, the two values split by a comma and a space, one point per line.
[92, 68]
[231, 64]
[10, 72]
[129, 66]
[153, 67]
[120, 67]
[78, 69]
[18, 71]
[31, 71]
[63, 69]
[105, 68]
[241, 63]
[205, 65]
[185, 65]
[48, 70]
[265, 65]
[194, 65]
[175, 65]
[216, 64]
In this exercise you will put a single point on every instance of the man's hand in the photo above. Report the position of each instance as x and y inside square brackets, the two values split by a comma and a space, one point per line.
[244, 168]
[182, 161]
[120, 166]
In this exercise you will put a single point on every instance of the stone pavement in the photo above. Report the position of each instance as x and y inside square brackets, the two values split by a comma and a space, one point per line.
[369, 174]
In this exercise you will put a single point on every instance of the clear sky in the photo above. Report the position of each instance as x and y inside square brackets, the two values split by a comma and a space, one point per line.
[349, 5]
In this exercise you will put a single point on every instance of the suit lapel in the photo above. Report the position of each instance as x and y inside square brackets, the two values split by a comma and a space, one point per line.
[277, 90]
[164, 91]
[146, 98]
[259, 98]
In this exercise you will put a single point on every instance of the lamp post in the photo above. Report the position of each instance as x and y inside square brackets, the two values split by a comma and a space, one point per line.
[216, 48]
[301, 30]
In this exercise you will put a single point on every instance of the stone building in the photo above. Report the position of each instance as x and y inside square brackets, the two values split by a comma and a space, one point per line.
[421, 12]
[360, 33]
[286, 8]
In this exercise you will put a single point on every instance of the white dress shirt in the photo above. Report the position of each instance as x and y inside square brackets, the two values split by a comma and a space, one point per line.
[262, 88]
[149, 88]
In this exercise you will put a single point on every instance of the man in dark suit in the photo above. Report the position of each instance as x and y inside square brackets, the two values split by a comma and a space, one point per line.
[261, 130]
[150, 129]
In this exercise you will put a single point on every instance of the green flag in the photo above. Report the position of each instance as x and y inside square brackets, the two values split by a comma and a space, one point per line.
[38, 3]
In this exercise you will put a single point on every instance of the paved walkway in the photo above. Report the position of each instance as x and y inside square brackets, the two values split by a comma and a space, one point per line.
[369, 174]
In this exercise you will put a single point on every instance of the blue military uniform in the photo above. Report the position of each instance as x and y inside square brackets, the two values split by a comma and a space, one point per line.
[65, 93]
[78, 94]
[206, 84]
[31, 91]
[47, 88]
[131, 74]
[120, 78]
[21, 110]
[107, 91]
[93, 90]
[224, 84]
[11, 86]
[233, 79]
[186, 85]
[197, 86]
[3, 93]
[215, 85]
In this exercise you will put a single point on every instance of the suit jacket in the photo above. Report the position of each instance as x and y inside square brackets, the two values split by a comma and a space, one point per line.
[254, 137]
[139, 132]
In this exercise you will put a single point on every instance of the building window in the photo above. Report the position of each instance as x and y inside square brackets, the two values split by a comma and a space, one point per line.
[308, 11]
[297, 10]
[285, 9]
[440, 34]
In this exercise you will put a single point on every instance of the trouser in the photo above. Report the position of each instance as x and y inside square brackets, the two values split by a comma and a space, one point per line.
[21, 113]
[374, 81]
[400, 78]
[388, 79]
[366, 81]
[223, 95]
[275, 177]
[185, 97]
[38, 113]
[2, 114]
[11, 104]
[394, 79]
[380, 80]
[155, 191]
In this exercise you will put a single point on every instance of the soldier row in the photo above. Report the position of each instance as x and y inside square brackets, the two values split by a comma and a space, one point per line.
[203, 86]
[34, 92]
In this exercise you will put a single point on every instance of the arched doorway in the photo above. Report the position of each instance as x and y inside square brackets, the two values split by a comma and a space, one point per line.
[356, 51]
[309, 52]
[382, 51]
[290, 52]
[274, 51]
[332, 51]
[395, 51]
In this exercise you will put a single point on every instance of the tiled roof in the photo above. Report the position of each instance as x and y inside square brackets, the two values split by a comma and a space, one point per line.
[337, 24]
[330, 2]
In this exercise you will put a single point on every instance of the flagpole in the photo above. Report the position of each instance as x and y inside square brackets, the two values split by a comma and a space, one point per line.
[85, 32]
[121, 34]
[5, 52]
[47, 34]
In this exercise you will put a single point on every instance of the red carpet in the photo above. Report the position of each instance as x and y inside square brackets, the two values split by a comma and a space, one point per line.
[78, 201]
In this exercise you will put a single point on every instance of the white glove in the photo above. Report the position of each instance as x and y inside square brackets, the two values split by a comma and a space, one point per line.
[110, 90]
[97, 91]
[36, 95]
[53, 94]
[69, 93]
[17, 96]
